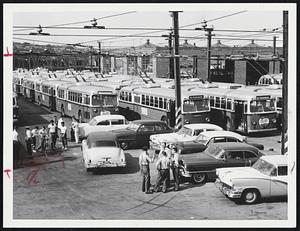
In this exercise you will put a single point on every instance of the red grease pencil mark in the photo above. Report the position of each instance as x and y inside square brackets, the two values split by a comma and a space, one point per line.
[63, 161]
[31, 177]
[8, 54]
[7, 171]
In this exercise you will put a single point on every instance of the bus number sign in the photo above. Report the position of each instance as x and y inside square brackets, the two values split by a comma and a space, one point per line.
[263, 97]
[196, 97]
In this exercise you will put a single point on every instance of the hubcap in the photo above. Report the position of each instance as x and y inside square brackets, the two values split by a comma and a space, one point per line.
[199, 178]
[250, 196]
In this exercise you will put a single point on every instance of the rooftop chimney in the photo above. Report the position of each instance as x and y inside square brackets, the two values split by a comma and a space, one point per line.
[185, 41]
[252, 41]
[148, 41]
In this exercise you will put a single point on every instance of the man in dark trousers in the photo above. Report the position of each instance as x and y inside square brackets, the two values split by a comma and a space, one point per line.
[144, 162]
[175, 166]
[163, 166]
[28, 140]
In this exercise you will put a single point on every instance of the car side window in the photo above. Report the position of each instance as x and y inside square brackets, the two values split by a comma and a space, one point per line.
[146, 128]
[197, 132]
[116, 122]
[158, 127]
[249, 154]
[235, 155]
[231, 139]
[282, 170]
[219, 139]
[101, 123]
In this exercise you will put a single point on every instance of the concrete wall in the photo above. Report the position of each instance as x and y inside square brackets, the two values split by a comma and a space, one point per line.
[160, 67]
[240, 70]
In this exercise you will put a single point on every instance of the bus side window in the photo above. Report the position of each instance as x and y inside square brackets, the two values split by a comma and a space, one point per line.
[130, 97]
[155, 102]
[245, 107]
[160, 101]
[228, 105]
[217, 102]
[223, 103]
[165, 104]
[143, 99]
[151, 101]
[212, 101]
[147, 99]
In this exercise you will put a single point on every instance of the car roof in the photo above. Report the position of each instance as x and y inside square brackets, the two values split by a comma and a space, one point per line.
[148, 122]
[211, 134]
[231, 146]
[101, 135]
[203, 126]
[108, 117]
[276, 159]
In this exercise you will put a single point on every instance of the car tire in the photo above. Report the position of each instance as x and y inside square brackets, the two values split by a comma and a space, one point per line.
[124, 145]
[250, 196]
[89, 170]
[199, 178]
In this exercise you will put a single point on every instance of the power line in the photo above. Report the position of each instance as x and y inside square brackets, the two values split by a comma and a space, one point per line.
[72, 23]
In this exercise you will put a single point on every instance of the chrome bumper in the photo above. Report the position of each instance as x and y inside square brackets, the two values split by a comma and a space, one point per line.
[230, 192]
[106, 165]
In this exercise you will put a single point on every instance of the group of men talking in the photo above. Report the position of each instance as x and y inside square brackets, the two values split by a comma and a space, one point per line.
[168, 159]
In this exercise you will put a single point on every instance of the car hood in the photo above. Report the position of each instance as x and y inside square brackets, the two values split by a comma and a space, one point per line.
[170, 138]
[104, 153]
[226, 175]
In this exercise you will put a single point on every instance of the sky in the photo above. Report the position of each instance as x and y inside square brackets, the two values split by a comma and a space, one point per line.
[245, 18]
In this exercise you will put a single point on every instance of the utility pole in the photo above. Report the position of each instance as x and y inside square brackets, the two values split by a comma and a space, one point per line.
[91, 58]
[284, 147]
[171, 61]
[274, 52]
[178, 117]
[209, 35]
[99, 57]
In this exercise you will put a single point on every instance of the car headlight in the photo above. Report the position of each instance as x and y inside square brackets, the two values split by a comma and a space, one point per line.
[207, 119]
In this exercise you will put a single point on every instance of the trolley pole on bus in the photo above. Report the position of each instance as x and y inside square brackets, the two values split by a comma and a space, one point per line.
[91, 58]
[99, 57]
[171, 62]
[284, 137]
[178, 118]
[274, 53]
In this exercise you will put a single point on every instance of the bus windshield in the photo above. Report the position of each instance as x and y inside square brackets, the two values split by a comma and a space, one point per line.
[195, 105]
[262, 105]
[104, 100]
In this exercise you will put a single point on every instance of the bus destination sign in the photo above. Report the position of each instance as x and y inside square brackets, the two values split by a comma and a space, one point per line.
[262, 97]
[196, 97]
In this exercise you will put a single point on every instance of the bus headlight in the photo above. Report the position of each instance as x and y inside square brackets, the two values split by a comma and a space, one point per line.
[207, 119]
[274, 120]
[186, 122]
[95, 110]
[116, 109]
[253, 122]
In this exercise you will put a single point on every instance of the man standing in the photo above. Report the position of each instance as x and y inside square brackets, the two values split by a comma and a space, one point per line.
[35, 137]
[175, 166]
[75, 127]
[52, 134]
[163, 166]
[16, 147]
[43, 137]
[63, 133]
[144, 162]
[28, 140]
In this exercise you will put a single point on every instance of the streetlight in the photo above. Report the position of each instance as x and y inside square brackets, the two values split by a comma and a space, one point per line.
[94, 25]
[39, 31]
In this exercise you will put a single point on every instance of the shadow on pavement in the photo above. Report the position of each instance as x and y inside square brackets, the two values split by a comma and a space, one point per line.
[265, 134]
[264, 200]
[131, 167]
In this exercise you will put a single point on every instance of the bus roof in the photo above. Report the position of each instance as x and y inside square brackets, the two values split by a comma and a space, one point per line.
[89, 88]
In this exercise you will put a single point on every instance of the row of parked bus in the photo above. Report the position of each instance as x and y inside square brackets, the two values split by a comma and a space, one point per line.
[246, 109]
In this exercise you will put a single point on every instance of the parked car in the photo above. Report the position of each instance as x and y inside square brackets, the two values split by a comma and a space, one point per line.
[102, 123]
[188, 132]
[202, 166]
[205, 138]
[266, 178]
[102, 150]
[138, 132]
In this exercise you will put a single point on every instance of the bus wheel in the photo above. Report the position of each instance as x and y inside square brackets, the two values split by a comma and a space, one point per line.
[124, 145]
[228, 124]
[164, 119]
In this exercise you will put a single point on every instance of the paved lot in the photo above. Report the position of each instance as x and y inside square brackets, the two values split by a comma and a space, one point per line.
[60, 188]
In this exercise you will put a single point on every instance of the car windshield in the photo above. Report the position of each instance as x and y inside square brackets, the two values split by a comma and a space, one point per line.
[214, 151]
[102, 143]
[133, 126]
[262, 105]
[92, 122]
[202, 138]
[264, 167]
[185, 131]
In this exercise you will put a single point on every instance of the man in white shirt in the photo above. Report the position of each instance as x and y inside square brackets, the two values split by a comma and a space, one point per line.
[52, 134]
[63, 133]
[16, 146]
[35, 138]
[144, 162]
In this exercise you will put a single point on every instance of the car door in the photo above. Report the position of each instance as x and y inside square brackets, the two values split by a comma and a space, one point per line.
[143, 134]
[278, 181]
[235, 159]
